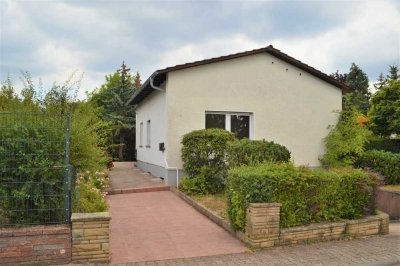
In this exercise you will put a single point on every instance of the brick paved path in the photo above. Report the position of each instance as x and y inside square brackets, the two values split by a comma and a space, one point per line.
[377, 250]
[124, 176]
[160, 225]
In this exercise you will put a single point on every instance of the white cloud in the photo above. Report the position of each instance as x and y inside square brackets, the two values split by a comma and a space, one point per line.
[370, 37]
[53, 38]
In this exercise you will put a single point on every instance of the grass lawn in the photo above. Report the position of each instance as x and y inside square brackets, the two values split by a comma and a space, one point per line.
[216, 203]
[391, 187]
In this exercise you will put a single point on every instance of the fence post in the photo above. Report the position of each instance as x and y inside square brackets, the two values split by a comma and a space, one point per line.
[67, 172]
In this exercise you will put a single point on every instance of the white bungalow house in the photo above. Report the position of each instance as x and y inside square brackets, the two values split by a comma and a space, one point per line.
[264, 92]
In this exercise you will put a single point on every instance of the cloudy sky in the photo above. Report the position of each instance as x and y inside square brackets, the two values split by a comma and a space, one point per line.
[51, 39]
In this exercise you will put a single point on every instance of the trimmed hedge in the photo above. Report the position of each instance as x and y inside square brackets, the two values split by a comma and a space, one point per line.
[205, 147]
[252, 152]
[383, 162]
[306, 196]
[203, 156]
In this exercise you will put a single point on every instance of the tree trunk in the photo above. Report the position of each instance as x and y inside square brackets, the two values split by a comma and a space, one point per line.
[121, 146]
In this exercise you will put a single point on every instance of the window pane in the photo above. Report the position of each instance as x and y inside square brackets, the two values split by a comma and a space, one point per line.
[215, 121]
[148, 133]
[141, 134]
[240, 126]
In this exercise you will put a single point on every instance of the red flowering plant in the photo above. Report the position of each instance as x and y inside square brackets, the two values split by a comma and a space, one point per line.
[110, 165]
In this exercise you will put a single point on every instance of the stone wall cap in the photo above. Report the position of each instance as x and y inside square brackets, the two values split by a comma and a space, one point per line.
[95, 216]
[259, 205]
[388, 190]
[313, 226]
[371, 218]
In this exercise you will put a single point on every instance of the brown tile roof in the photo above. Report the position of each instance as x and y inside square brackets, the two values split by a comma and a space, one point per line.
[159, 76]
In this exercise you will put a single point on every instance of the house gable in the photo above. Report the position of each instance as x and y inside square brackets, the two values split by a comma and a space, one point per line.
[286, 104]
[160, 76]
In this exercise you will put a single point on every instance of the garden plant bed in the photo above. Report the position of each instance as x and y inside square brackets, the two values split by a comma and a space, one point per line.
[263, 224]
[216, 203]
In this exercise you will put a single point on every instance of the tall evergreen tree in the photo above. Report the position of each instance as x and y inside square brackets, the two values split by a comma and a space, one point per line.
[381, 82]
[110, 100]
[358, 81]
[393, 73]
[137, 81]
[346, 98]
[339, 76]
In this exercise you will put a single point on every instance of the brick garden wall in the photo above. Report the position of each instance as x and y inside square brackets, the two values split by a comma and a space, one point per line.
[45, 244]
[262, 228]
[90, 237]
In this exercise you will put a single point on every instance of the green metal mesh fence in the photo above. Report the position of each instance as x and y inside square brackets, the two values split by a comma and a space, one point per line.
[34, 169]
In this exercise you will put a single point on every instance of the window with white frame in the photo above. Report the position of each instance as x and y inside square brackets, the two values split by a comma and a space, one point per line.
[141, 135]
[148, 131]
[238, 123]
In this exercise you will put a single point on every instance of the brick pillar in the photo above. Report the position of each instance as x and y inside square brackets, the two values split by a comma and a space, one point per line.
[262, 224]
[90, 237]
[384, 224]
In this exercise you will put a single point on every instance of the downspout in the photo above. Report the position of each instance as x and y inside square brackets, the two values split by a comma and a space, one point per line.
[165, 159]
[172, 168]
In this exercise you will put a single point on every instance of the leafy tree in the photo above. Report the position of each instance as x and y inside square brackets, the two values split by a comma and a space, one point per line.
[110, 100]
[86, 144]
[7, 89]
[358, 81]
[345, 142]
[385, 110]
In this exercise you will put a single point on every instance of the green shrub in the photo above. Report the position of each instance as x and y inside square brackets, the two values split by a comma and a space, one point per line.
[190, 186]
[85, 150]
[252, 152]
[206, 147]
[390, 145]
[89, 195]
[32, 174]
[207, 181]
[345, 142]
[203, 156]
[90, 199]
[306, 195]
[385, 163]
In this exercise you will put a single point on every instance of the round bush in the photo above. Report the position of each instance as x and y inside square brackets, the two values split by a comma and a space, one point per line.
[203, 156]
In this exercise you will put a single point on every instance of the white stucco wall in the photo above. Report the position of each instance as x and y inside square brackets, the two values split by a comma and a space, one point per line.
[152, 108]
[289, 106]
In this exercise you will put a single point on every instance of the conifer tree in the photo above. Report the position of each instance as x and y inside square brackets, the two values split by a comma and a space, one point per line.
[358, 81]
[110, 100]
[381, 82]
[393, 73]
